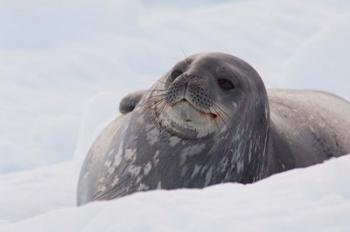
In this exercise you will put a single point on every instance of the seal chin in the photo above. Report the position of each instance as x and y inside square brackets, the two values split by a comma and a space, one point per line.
[184, 120]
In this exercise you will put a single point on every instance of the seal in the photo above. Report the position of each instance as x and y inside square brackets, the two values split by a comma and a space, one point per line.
[210, 120]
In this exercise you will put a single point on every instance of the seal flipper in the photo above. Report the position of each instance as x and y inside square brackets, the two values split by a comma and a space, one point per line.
[129, 102]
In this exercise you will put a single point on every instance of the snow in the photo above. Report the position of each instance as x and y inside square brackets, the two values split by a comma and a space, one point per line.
[65, 65]
[28, 193]
[310, 199]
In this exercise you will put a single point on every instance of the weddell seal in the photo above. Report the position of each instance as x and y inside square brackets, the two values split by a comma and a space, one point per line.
[210, 120]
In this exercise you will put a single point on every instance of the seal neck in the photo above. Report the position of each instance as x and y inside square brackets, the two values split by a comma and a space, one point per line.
[279, 155]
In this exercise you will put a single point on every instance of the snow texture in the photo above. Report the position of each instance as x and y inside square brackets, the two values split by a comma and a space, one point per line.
[29, 193]
[311, 199]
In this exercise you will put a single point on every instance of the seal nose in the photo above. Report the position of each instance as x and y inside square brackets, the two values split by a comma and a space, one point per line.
[193, 88]
[192, 83]
[187, 79]
[182, 78]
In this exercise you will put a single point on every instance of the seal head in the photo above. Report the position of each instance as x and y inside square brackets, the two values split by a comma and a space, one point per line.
[203, 95]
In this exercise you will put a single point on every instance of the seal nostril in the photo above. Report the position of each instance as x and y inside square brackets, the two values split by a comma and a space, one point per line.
[175, 74]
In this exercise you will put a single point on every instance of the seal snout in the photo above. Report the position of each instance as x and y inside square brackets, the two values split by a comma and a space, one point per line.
[193, 89]
[188, 107]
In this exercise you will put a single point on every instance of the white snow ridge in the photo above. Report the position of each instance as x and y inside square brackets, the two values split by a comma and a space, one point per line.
[311, 199]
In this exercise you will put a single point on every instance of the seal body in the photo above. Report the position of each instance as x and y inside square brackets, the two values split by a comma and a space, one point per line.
[210, 120]
[307, 127]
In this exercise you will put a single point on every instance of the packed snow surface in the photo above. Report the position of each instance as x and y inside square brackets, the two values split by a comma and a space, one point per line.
[311, 199]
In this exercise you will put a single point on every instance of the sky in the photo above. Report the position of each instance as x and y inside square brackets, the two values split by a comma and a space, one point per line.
[64, 65]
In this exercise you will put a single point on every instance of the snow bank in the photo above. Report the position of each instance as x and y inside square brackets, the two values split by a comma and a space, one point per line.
[29, 193]
[311, 199]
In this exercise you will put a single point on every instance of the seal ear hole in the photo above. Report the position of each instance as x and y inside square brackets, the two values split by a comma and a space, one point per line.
[176, 73]
[226, 84]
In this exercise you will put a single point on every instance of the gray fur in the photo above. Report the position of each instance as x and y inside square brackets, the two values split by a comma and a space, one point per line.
[256, 133]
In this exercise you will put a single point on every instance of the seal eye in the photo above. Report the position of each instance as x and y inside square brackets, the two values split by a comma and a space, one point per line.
[174, 74]
[225, 84]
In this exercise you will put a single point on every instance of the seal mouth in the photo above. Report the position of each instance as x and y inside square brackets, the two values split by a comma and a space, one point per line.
[187, 117]
[187, 121]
